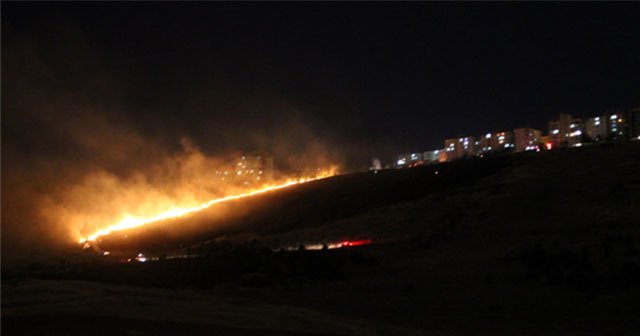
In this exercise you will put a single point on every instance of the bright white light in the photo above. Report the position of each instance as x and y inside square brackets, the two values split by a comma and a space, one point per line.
[488, 135]
[613, 117]
[401, 162]
[572, 126]
[597, 123]
[555, 131]
[141, 258]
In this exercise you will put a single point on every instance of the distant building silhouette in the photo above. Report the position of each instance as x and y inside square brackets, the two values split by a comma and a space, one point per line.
[566, 131]
[496, 142]
[597, 128]
[434, 156]
[457, 148]
[527, 139]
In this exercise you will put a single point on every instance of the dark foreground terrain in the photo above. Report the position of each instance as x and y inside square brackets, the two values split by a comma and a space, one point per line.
[529, 244]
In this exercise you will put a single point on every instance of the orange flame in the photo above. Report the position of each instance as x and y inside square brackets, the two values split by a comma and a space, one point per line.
[130, 222]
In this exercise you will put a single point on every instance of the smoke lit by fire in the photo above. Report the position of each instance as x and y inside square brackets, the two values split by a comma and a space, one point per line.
[86, 155]
[129, 222]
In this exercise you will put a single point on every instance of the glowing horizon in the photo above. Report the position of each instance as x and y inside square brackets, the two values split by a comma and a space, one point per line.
[130, 222]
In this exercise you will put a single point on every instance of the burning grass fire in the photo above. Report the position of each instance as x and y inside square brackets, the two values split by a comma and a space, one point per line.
[130, 222]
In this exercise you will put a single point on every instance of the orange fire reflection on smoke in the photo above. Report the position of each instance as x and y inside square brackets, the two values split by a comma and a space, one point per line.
[131, 222]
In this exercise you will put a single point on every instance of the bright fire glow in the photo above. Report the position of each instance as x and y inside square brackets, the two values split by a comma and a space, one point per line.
[130, 222]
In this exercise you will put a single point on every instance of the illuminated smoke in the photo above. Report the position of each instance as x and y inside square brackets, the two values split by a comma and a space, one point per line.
[77, 157]
[134, 222]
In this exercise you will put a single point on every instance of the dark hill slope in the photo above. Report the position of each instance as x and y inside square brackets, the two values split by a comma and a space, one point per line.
[527, 244]
[312, 205]
[565, 190]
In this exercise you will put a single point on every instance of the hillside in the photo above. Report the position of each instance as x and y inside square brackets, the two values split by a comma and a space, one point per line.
[311, 206]
[528, 244]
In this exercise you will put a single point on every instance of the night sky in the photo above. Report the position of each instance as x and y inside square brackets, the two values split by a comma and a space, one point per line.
[372, 79]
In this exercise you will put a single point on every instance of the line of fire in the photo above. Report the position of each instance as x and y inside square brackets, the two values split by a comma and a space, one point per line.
[251, 174]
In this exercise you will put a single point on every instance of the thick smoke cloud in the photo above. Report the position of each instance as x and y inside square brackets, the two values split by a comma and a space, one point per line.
[82, 142]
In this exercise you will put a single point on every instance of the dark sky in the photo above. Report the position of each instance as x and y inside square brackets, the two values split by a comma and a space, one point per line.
[383, 78]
